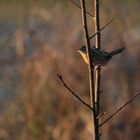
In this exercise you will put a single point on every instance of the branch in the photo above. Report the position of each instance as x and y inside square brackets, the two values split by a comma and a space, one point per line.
[90, 68]
[93, 17]
[80, 8]
[116, 112]
[101, 28]
[87, 41]
[98, 72]
[72, 92]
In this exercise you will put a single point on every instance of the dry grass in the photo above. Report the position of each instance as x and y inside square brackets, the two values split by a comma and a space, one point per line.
[42, 109]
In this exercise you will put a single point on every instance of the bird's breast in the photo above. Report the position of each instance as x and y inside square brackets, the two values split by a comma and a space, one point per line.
[84, 57]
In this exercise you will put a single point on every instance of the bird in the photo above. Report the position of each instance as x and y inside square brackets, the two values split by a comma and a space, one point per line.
[98, 57]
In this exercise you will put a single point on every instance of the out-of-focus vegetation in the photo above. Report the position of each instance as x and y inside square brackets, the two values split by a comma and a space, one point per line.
[38, 39]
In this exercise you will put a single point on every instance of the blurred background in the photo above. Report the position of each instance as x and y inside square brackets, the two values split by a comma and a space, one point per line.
[38, 39]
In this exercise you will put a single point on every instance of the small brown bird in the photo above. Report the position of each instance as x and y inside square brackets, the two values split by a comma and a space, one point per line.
[98, 57]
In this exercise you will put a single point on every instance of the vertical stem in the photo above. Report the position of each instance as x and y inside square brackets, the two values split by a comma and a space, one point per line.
[98, 68]
[91, 71]
[97, 24]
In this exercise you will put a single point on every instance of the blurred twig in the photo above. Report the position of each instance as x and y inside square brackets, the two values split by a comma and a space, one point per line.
[72, 92]
[80, 8]
[116, 112]
[101, 28]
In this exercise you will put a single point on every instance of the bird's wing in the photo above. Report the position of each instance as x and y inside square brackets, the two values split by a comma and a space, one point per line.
[98, 52]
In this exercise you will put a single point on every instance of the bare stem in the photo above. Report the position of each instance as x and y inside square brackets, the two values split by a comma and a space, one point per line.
[80, 8]
[117, 111]
[90, 66]
[72, 92]
[98, 71]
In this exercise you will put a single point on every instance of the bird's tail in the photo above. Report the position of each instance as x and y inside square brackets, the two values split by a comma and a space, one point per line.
[117, 51]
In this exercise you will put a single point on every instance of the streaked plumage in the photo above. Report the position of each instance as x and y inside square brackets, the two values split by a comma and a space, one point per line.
[99, 57]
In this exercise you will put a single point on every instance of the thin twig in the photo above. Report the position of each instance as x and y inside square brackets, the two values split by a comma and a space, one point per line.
[101, 28]
[72, 92]
[80, 8]
[116, 112]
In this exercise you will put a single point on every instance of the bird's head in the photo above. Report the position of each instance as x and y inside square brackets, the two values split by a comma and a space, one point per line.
[82, 49]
